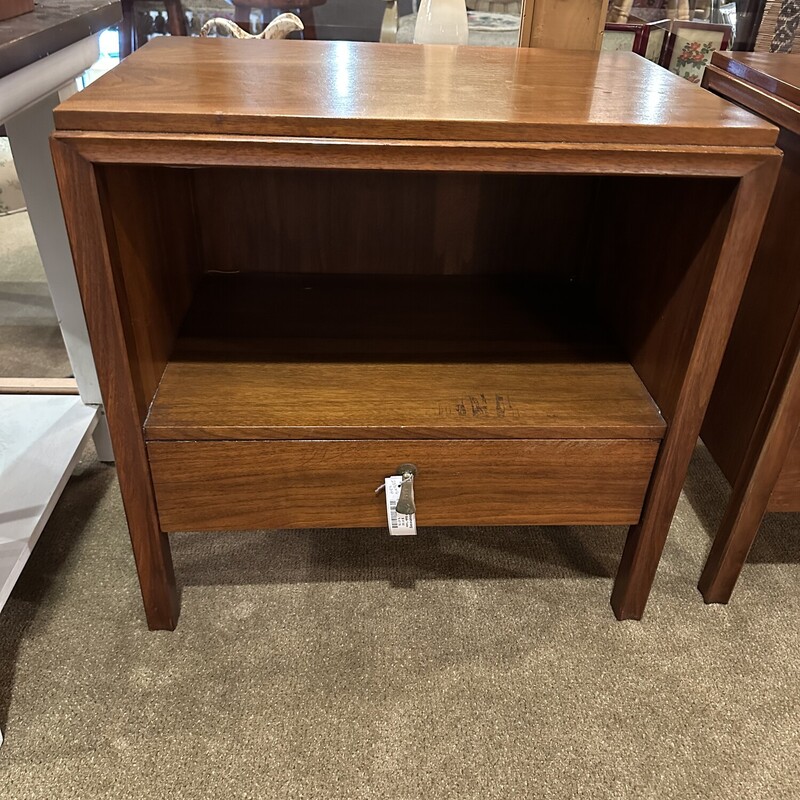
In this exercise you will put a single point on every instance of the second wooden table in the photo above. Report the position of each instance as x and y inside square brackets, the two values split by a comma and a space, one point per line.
[753, 422]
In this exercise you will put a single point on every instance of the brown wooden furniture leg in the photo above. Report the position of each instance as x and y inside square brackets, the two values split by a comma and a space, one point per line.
[241, 16]
[127, 29]
[646, 540]
[176, 18]
[107, 323]
[309, 22]
[763, 462]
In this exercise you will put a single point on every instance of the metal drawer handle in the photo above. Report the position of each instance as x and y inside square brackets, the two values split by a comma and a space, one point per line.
[405, 503]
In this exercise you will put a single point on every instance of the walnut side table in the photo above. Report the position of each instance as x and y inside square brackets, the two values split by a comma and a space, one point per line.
[306, 263]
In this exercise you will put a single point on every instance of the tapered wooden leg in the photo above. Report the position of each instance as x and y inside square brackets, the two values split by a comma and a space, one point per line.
[765, 456]
[107, 318]
[733, 541]
[153, 558]
[646, 540]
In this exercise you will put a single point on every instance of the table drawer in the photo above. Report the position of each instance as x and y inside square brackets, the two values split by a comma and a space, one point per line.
[311, 484]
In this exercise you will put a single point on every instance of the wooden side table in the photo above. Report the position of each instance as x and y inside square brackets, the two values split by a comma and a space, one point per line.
[752, 423]
[455, 294]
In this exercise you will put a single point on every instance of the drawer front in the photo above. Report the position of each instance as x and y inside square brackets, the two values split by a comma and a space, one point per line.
[786, 493]
[316, 484]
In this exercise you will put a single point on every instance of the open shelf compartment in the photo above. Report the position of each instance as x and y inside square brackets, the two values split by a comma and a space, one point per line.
[264, 356]
[299, 333]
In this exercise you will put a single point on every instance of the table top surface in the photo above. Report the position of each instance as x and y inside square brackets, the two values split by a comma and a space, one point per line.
[776, 73]
[50, 27]
[380, 91]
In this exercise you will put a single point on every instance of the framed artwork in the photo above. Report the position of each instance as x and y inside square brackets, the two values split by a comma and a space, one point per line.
[625, 36]
[689, 45]
[656, 37]
[637, 36]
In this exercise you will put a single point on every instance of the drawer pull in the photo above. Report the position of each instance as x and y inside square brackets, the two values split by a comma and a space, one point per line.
[405, 503]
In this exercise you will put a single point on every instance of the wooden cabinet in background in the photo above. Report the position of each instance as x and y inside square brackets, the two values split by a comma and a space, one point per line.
[305, 263]
[752, 423]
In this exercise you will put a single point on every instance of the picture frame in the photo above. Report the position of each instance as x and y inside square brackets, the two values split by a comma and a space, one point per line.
[689, 44]
[625, 37]
[656, 39]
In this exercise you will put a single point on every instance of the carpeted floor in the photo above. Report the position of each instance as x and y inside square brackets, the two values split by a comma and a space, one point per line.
[460, 664]
[30, 340]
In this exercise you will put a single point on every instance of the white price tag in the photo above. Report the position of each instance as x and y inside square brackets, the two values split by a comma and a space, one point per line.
[399, 524]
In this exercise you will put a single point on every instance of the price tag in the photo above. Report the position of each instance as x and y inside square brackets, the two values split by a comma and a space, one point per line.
[399, 524]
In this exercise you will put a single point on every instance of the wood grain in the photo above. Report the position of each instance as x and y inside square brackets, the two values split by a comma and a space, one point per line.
[645, 540]
[351, 89]
[150, 232]
[415, 155]
[38, 386]
[233, 485]
[652, 294]
[108, 326]
[583, 141]
[760, 101]
[777, 74]
[753, 418]
[786, 492]
[373, 222]
[271, 357]
[13, 8]
[309, 400]
[765, 458]
[563, 24]
[763, 322]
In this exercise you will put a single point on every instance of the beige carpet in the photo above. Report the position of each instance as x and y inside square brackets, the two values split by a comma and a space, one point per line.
[462, 664]
[30, 339]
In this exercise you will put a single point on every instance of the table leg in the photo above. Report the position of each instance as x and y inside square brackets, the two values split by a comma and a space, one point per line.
[28, 133]
[176, 18]
[86, 224]
[645, 541]
[241, 16]
[127, 29]
[309, 22]
[766, 454]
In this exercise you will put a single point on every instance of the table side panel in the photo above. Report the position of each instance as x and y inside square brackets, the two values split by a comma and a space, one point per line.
[109, 332]
[763, 322]
[654, 292]
[645, 541]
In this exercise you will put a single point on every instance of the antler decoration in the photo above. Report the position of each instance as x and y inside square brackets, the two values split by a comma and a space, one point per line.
[279, 28]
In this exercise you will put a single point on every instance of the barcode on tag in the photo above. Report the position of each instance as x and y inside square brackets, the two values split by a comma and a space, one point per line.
[399, 524]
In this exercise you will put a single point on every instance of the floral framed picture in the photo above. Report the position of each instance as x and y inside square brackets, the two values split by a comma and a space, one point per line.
[689, 45]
